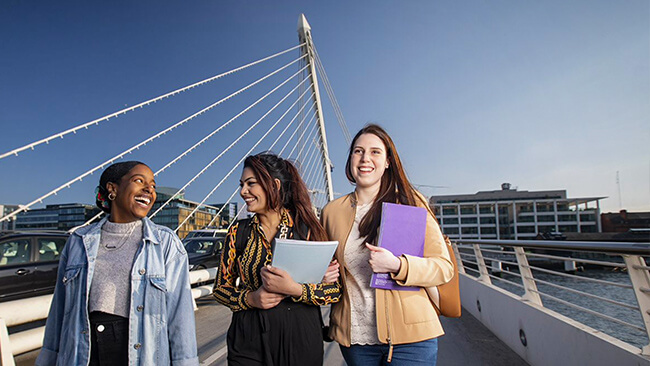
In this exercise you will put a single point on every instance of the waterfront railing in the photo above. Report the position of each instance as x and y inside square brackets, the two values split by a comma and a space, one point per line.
[602, 285]
[25, 311]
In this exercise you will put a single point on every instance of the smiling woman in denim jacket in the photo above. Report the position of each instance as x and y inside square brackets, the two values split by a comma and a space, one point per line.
[122, 294]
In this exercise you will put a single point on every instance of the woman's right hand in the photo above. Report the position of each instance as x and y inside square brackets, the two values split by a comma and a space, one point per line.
[332, 273]
[263, 299]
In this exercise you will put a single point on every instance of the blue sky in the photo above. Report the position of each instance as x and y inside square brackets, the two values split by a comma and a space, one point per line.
[544, 95]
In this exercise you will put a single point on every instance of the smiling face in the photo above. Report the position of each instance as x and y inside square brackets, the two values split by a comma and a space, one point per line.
[134, 195]
[252, 192]
[368, 161]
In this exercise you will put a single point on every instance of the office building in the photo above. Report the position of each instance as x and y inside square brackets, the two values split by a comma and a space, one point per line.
[8, 224]
[512, 214]
[56, 217]
[179, 208]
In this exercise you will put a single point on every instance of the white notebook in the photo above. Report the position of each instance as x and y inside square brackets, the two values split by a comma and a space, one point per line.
[305, 261]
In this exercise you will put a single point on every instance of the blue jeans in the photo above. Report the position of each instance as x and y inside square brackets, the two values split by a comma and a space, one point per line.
[410, 354]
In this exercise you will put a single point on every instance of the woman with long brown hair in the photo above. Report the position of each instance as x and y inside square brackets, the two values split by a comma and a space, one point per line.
[276, 321]
[374, 326]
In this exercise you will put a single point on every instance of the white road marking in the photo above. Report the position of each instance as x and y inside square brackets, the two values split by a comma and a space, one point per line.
[208, 361]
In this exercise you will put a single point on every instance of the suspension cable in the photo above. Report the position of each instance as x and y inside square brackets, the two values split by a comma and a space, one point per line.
[122, 154]
[222, 207]
[139, 105]
[297, 128]
[311, 152]
[303, 145]
[227, 175]
[271, 147]
[230, 120]
[229, 147]
[332, 96]
[315, 166]
[233, 221]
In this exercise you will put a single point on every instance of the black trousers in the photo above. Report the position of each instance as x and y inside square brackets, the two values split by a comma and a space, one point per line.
[109, 339]
[289, 334]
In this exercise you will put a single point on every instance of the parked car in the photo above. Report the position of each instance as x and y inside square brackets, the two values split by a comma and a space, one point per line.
[28, 262]
[204, 252]
[206, 233]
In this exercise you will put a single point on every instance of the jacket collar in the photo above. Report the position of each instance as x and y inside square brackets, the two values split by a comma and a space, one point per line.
[149, 232]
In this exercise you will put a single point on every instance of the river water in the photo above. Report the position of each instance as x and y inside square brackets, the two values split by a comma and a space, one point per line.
[625, 333]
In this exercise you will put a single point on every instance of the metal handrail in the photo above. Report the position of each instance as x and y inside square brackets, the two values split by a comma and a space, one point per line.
[607, 317]
[583, 293]
[568, 275]
[33, 309]
[635, 258]
[507, 281]
[579, 260]
[584, 246]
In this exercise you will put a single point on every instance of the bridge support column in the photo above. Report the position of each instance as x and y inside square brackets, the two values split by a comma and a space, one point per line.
[304, 35]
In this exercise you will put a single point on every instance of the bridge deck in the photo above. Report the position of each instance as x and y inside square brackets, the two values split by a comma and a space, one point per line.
[467, 342]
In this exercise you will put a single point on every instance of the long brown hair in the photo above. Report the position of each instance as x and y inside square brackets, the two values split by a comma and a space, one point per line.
[395, 186]
[292, 195]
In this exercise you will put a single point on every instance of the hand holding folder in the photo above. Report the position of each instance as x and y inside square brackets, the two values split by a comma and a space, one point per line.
[402, 231]
[305, 261]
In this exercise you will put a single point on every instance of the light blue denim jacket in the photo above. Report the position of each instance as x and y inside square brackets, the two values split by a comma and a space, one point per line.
[161, 316]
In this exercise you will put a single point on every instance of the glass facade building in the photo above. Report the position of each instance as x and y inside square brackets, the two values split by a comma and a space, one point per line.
[512, 214]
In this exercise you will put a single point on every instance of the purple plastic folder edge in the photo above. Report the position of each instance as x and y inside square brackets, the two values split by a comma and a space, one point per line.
[401, 231]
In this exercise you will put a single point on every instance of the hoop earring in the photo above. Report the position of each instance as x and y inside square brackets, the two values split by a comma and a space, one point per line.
[111, 196]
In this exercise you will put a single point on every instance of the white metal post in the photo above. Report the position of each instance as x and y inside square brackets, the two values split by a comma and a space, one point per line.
[482, 268]
[459, 260]
[6, 356]
[304, 35]
[640, 276]
[530, 286]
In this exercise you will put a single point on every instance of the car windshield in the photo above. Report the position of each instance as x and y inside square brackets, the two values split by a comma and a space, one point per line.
[198, 246]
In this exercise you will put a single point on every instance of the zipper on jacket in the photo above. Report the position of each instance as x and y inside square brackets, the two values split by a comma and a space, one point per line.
[390, 342]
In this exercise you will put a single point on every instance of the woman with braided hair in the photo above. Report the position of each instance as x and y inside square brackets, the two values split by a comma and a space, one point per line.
[122, 293]
[276, 321]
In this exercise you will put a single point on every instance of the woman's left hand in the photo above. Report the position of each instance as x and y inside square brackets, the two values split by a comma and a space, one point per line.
[279, 281]
[382, 260]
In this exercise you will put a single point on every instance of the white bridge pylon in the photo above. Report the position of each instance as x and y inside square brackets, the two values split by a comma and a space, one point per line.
[303, 135]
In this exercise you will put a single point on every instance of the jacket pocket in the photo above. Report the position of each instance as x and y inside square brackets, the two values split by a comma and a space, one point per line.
[72, 282]
[158, 282]
[416, 307]
[156, 300]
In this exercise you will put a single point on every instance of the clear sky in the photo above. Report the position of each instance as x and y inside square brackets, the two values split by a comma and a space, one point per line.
[544, 95]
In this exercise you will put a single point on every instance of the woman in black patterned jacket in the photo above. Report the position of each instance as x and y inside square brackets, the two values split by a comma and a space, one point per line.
[276, 321]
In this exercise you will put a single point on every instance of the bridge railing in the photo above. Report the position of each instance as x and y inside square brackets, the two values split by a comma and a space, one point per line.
[614, 299]
[24, 311]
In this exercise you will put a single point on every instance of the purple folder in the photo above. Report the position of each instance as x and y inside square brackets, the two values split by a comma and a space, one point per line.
[401, 231]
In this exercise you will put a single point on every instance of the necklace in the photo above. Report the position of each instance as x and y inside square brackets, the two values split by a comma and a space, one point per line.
[123, 240]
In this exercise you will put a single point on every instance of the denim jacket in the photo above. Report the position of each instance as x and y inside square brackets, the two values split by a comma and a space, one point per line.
[161, 316]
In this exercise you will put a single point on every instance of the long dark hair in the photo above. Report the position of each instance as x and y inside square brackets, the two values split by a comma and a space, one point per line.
[112, 174]
[292, 195]
[395, 186]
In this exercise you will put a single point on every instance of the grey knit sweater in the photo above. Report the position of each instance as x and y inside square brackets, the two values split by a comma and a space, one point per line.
[110, 289]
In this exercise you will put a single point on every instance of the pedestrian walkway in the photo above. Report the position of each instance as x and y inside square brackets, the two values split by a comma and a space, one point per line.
[466, 342]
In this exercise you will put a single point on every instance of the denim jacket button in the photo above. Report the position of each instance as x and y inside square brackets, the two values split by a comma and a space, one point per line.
[137, 346]
[139, 308]
[100, 328]
[142, 271]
